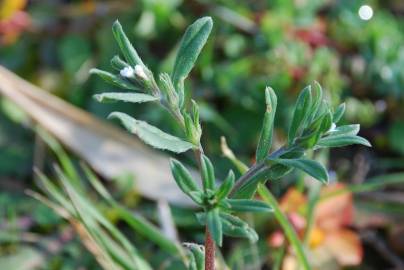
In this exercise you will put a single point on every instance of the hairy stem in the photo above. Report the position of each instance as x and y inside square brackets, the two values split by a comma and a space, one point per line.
[209, 243]
[209, 251]
[254, 170]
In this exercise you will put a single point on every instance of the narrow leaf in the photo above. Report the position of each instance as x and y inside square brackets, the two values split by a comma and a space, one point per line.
[124, 44]
[183, 178]
[326, 122]
[208, 173]
[317, 94]
[215, 226]
[265, 141]
[235, 227]
[345, 130]
[342, 140]
[311, 167]
[300, 114]
[191, 45]
[197, 252]
[125, 97]
[339, 112]
[247, 205]
[113, 79]
[152, 135]
[225, 187]
[118, 64]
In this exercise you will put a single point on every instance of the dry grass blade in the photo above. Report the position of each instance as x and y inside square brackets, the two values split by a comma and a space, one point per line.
[108, 150]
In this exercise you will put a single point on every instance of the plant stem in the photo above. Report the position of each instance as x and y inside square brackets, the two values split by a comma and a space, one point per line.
[209, 243]
[209, 251]
[254, 170]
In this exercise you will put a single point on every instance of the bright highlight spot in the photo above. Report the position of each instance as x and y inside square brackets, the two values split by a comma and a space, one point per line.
[365, 12]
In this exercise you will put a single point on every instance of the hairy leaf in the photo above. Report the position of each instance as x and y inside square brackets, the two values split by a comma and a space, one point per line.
[300, 114]
[152, 135]
[196, 255]
[126, 97]
[235, 227]
[191, 45]
[124, 44]
[311, 167]
[342, 140]
[265, 141]
[208, 173]
[345, 130]
[215, 225]
[339, 112]
[247, 205]
[225, 187]
[118, 64]
[182, 176]
[317, 93]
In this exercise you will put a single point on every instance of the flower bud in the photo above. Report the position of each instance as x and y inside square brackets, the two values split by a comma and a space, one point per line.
[127, 72]
[140, 73]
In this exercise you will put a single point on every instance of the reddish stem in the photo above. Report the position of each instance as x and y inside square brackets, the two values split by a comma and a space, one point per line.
[209, 251]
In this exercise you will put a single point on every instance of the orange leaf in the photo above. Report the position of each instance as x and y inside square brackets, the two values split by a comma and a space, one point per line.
[345, 246]
[336, 211]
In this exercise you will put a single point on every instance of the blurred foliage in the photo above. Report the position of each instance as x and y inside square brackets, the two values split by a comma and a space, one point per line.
[284, 44]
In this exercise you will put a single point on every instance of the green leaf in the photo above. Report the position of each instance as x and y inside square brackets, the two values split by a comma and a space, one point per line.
[341, 140]
[208, 173]
[118, 64]
[198, 197]
[184, 179]
[300, 114]
[113, 79]
[126, 97]
[152, 135]
[215, 226]
[339, 112]
[225, 187]
[191, 45]
[197, 255]
[124, 44]
[247, 205]
[265, 141]
[326, 123]
[311, 167]
[345, 130]
[317, 94]
[235, 227]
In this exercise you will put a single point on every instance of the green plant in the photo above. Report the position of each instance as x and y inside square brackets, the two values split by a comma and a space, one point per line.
[314, 126]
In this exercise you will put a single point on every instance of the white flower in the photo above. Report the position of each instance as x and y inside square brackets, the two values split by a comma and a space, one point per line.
[127, 72]
[139, 72]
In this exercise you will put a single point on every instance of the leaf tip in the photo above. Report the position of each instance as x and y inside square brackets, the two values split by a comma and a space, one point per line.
[97, 97]
[207, 19]
[116, 25]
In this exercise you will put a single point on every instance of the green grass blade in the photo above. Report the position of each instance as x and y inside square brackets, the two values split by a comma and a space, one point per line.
[286, 226]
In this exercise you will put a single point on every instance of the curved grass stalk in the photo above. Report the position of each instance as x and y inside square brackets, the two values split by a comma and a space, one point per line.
[286, 226]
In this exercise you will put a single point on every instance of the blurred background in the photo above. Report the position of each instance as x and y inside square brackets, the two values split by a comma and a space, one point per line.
[354, 49]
